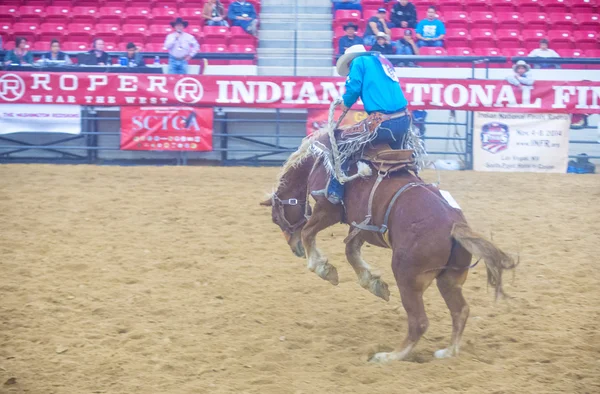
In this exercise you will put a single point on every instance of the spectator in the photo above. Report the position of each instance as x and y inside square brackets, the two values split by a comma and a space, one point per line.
[98, 51]
[406, 45]
[214, 13]
[376, 24]
[20, 55]
[520, 76]
[134, 58]
[383, 45]
[243, 14]
[346, 5]
[350, 38]
[56, 54]
[544, 51]
[404, 14]
[182, 47]
[431, 31]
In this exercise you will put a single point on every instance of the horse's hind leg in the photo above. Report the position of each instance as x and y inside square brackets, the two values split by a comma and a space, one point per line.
[411, 288]
[366, 279]
[450, 284]
[323, 216]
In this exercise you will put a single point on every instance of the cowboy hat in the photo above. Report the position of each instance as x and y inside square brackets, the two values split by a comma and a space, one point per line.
[179, 21]
[351, 24]
[383, 35]
[343, 63]
[521, 63]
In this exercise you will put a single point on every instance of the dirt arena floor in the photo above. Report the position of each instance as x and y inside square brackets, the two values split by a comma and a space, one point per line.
[173, 280]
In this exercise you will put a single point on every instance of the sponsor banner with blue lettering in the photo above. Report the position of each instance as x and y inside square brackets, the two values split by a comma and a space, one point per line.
[516, 142]
[40, 118]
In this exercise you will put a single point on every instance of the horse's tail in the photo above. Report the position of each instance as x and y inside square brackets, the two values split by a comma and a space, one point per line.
[496, 261]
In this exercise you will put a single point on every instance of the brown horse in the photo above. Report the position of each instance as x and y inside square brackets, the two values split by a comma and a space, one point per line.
[429, 240]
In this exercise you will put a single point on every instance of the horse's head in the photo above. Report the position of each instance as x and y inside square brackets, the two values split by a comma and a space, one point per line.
[290, 213]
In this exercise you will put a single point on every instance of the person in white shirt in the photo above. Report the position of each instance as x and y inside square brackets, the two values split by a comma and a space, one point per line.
[520, 76]
[544, 51]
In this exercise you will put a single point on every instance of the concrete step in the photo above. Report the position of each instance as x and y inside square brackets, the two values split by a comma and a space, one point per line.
[301, 3]
[300, 71]
[288, 61]
[288, 17]
[291, 9]
[302, 44]
[291, 26]
[302, 52]
[325, 35]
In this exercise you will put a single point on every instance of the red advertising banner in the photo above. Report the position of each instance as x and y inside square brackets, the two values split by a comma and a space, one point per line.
[289, 92]
[166, 128]
[318, 118]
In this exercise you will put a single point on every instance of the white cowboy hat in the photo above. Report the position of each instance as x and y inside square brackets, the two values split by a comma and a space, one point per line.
[382, 34]
[343, 63]
[521, 63]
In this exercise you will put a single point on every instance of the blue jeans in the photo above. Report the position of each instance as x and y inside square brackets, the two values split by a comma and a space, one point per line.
[404, 49]
[390, 132]
[219, 23]
[177, 66]
[346, 6]
[434, 43]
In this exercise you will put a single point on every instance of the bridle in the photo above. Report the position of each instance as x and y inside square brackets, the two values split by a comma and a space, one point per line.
[280, 204]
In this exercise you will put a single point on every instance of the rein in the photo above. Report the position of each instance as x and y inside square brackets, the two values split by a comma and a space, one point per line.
[289, 227]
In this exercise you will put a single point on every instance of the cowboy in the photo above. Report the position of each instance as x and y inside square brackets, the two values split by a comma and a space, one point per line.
[521, 76]
[371, 77]
[182, 47]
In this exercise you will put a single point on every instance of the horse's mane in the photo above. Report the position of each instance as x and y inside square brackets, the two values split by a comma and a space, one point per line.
[295, 159]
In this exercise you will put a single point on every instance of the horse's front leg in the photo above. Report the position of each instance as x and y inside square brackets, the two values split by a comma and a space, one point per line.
[366, 278]
[324, 215]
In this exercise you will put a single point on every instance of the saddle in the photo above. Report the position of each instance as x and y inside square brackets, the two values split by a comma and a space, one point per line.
[387, 160]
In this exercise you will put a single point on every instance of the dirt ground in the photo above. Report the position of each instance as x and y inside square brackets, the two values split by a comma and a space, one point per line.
[174, 280]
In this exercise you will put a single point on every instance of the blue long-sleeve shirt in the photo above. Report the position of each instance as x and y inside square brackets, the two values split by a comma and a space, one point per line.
[368, 80]
[239, 8]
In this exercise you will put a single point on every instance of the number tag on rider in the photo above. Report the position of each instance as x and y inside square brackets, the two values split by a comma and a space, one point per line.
[451, 201]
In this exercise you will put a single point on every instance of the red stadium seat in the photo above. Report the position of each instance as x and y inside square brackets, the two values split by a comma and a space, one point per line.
[593, 53]
[445, 6]
[213, 48]
[588, 21]
[240, 37]
[137, 15]
[157, 34]
[557, 6]
[509, 20]
[50, 31]
[508, 38]
[215, 34]
[482, 38]
[482, 19]
[27, 30]
[456, 19]
[430, 51]
[586, 39]
[30, 14]
[574, 54]
[111, 14]
[163, 15]
[535, 20]
[82, 14]
[345, 16]
[250, 49]
[477, 5]
[191, 13]
[560, 39]
[6, 34]
[464, 51]
[8, 14]
[58, 14]
[368, 14]
[487, 51]
[135, 33]
[583, 6]
[75, 46]
[456, 38]
[529, 6]
[196, 31]
[109, 32]
[41, 45]
[503, 5]
[514, 52]
[155, 47]
[531, 38]
[79, 32]
[339, 32]
[562, 21]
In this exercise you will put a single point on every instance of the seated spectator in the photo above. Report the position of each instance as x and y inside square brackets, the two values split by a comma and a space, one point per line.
[98, 51]
[20, 55]
[376, 24]
[243, 14]
[56, 54]
[520, 76]
[346, 5]
[350, 39]
[214, 13]
[134, 57]
[406, 45]
[544, 51]
[404, 14]
[431, 31]
[383, 45]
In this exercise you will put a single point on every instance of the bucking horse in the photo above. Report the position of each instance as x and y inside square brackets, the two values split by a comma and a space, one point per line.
[388, 205]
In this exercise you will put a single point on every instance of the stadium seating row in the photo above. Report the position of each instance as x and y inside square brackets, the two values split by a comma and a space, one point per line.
[566, 6]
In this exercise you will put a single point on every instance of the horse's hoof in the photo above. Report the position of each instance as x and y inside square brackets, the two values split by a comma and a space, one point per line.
[381, 358]
[444, 353]
[379, 288]
[329, 273]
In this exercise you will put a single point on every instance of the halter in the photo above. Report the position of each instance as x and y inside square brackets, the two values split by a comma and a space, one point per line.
[280, 204]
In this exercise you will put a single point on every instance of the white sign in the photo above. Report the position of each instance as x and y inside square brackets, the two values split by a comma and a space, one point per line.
[515, 142]
[40, 118]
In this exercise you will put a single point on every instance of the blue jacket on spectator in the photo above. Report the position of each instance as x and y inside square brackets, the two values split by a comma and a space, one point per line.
[346, 42]
[240, 8]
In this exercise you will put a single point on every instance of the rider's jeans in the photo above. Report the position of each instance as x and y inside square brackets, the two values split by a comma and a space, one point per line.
[390, 132]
